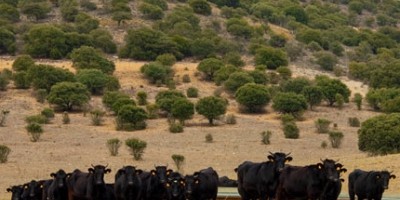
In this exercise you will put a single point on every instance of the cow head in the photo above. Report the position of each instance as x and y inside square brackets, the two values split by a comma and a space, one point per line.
[331, 169]
[98, 172]
[161, 172]
[175, 187]
[60, 178]
[32, 189]
[16, 191]
[131, 175]
[383, 178]
[279, 159]
[191, 183]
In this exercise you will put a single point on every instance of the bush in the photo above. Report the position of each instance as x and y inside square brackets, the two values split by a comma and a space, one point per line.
[39, 119]
[186, 78]
[265, 137]
[156, 72]
[237, 80]
[209, 67]
[110, 97]
[322, 125]
[136, 146]
[41, 95]
[179, 161]
[3, 116]
[152, 110]
[88, 5]
[23, 63]
[48, 113]
[35, 130]
[97, 117]
[230, 119]
[175, 127]
[287, 118]
[270, 57]
[87, 57]
[335, 137]
[131, 117]
[113, 146]
[151, 11]
[4, 81]
[94, 79]
[68, 95]
[211, 107]
[4, 152]
[141, 98]
[200, 7]
[166, 59]
[65, 118]
[354, 122]
[253, 96]
[291, 131]
[182, 109]
[358, 100]
[290, 102]
[326, 60]
[21, 80]
[192, 92]
[339, 100]
[209, 138]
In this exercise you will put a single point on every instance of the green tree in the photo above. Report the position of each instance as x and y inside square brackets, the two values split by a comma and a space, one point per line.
[270, 57]
[84, 23]
[69, 10]
[7, 42]
[239, 28]
[259, 76]
[295, 85]
[253, 96]
[9, 12]
[121, 13]
[313, 95]
[200, 7]
[150, 11]
[331, 87]
[94, 79]
[209, 66]
[166, 98]
[45, 76]
[89, 58]
[110, 97]
[68, 95]
[298, 13]
[166, 59]
[326, 60]
[23, 63]
[103, 40]
[223, 74]
[156, 72]
[358, 100]
[202, 48]
[237, 80]
[182, 109]
[38, 10]
[289, 102]
[132, 116]
[121, 102]
[211, 107]
[21, 80]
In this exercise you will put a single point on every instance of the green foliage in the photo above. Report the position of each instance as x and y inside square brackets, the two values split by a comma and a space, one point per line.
[229, 12]
[39, 119]
[270, 57]
[239, 28]
[121, 12]
[278, 41]
[21, 80]
[152, 110]
[9, 12]
[94, 79]
[161, 3]
[38, 10]
[354, 122]
[103, 40]
[131, 117]
[259, 76]
[339, 100]
[175, 127]
[113, 146]
[150, 11]
[110, 97]
[41, 95]
[284, 72]
[156, 72]
[136, 146]
[166, 98]
[182, 109]
[200, 7]
[48, 113]
[234, 58]
[227, 3]
[335, 137]
[223, 74]
[293, 50]
[35, 130]
[147, 44]
[311, 35]
[209, 67]
[313, 95]
[298, 13]
[192, 92]
[69, 10]
[88, 5]
[23, 63]
[166, 59]
[336, 48]
[179, 160]
[295, 85]
[287, 118]
[265, 137]
[97, 117]
[237, 80]
[326, 60]
[120, 102]
[85, 23]
[202, 48]
[68, 95]
[211, 107]
[356, 6]
[7, 42]
[358, 100]
[331, 87]
[4, 81]
[289, 102]
[4, 152]
[253, 96]
[209, 138]
[89, 58]
[322, 125]
[291, 131]
[141, 97]
[45, 76]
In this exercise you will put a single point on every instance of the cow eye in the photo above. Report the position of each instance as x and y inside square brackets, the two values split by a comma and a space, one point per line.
[197, 182]
[153, 173]
[168, 185]
[26, 187]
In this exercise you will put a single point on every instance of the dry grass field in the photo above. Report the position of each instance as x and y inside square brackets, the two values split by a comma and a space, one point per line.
[79, 144]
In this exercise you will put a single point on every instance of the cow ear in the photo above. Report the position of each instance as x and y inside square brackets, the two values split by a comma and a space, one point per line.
[69, 174]
[53, 175]
[91, 170]
[320, 165]
[197, 181]
[338, 166]
[139, 171]
[342, 180]
[270, 158]
[392, 176]
[169, 171]
[288, 159]
[107, 171]
[344, 170]
[153, 172]
[9, 189]
[196, 173]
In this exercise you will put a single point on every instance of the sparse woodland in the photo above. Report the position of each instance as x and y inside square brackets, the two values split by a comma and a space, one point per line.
[216, 82]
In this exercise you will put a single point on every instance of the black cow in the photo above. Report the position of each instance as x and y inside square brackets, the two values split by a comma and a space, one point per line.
[153, 183]
[16, 192]
[260, 180]
[175, 186]
[308, 182]
[227, 182]
[57, 188]
[33, 190]
[332, 190]
[88, 185]
[202, 185]
[368, 184]
[127, 183]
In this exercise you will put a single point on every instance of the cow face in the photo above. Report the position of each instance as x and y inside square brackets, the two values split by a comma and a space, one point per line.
[383, 178]
[98, 172]
[59, 178]
[16, 191]
[161, 172]
[32, 190]
[279, 159]
[191, 183]
[331, 169]
[131, 175]
[175, 187]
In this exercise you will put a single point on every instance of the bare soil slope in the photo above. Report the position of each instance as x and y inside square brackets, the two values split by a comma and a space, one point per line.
[79, 144]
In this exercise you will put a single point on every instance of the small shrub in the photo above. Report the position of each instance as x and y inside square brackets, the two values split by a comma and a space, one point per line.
[179, 161]
[358, 100]
[354, 122]
[4, 151]
[136, 147]
[65, 118]
[97, 117]
[152, 110]
[217, 92]
[113, 146]
[230, 119]
[88, 5]
[338, 71]
[287, 118]
[265, 137]
[48, 113]
[166, 59]
[41, 95]
[35, 130]
[335, 126]
[3, 116]
[209, 138]
[40, 119]
[175, 127]
[335, 137]
[141, 98]
[339, 100]
[322, 125]
[324, 144]
[186, 78]
[291, 131]
[192, 92]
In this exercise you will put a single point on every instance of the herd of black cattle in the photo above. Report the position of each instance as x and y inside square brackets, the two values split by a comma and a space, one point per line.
[271, 179]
